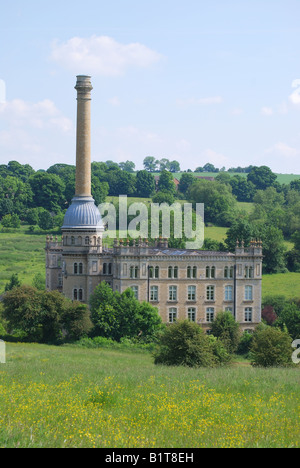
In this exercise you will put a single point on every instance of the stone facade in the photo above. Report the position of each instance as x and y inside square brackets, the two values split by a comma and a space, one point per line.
[182, 284]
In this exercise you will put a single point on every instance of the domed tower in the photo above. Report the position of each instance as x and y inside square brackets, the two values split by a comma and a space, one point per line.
[82, 228]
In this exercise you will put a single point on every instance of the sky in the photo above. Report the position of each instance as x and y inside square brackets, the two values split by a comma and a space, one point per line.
[192, 81]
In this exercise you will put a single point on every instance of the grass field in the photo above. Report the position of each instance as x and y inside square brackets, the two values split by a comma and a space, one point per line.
[285, 284]
[21, 253]
[72, 397]
[281, 178]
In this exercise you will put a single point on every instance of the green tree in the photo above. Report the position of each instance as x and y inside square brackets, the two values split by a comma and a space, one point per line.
[145, 184]
[226, 329]
[14, 282]
[174, 166]
[116, 315]
[166, 183]
[290, 318]
[217, 198]
[150, 164]
[262, 177]
[127, 166]
[187, 179]
[48, 191]
[11, 221]
[271, 347]
[45, 220]
[185, 344]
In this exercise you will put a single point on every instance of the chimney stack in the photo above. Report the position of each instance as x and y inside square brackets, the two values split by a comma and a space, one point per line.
[83, 143]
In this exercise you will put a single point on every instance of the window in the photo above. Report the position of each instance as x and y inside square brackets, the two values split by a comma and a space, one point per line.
[80, 294]
[75, 268]
[228, 293]
[80, 268]
[154, 272]
[154, 294]
[192, 314]
[75, 295]
[248, 314]
[72, 240]
[191, 272]
[110, 268]
[105, 268]
[248, 293]
[135, 290]
[210, 314]
[134, 272]
[191, 293]
[228, 272]
[210, 272]
[87, 240]
[172, 293]
[229, 309]
[172, 315]
[95, 267]
[210, 293]
[173, 272]
[249, 272]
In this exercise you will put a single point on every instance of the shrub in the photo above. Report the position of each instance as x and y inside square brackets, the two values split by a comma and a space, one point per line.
[245, 343]
[185, 344]
[271, 347]
[226, 329]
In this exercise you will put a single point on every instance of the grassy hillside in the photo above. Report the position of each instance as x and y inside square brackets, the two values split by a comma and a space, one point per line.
[72, 397]
[281, 178]
[22, 253]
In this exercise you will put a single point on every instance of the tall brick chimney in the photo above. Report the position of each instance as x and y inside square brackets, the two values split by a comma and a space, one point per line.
[83, 142]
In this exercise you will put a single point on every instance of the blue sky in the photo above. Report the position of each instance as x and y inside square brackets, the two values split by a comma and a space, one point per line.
[193, 81]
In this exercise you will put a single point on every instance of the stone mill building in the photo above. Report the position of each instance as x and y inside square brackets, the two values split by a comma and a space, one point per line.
[182, 284]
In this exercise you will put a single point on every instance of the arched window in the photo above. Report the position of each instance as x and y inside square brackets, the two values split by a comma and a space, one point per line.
[213, 272]
[75, 268]
[75, 295]
[105, 268]
[157, 272]
[189, 272]
[194, 272]
[72, 240]
[80, 268]
[87, 240]
[226, 272]
[176, 272]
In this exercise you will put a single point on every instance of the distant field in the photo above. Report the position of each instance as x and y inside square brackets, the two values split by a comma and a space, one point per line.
[281, 178]
[285, 284]
[21, 253]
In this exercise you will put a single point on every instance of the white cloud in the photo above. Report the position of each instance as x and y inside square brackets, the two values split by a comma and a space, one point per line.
[200, 101]
[284, 150]
[267, 111]
[35, 133]
[44, 114]
[115, 101]
[295, 96]
[102, 55]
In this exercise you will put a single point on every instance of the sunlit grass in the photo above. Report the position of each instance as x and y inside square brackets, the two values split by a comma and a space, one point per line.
[70, 397]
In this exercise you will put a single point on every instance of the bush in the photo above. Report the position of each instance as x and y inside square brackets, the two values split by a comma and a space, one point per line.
[245, 343]
[271, 347]
[185, 344]
[226, 329]
[118, 316]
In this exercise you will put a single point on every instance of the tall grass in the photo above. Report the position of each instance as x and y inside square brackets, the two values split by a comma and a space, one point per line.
[73, 397]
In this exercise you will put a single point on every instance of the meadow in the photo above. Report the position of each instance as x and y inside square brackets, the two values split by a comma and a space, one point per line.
[67, 397]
